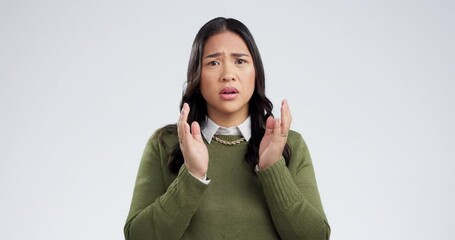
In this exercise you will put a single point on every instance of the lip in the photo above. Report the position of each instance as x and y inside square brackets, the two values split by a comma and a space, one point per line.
[229, 93]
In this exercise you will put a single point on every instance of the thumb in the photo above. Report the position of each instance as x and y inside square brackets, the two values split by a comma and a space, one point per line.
[196, 131]
[269, 125]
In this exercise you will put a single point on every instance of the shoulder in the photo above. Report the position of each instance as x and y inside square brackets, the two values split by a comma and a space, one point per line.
[298, 146]
[300, 155]
[164, 137]
[295, 139]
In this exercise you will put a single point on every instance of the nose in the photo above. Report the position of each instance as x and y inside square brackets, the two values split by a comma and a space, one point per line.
[228, 73]
[229, 78]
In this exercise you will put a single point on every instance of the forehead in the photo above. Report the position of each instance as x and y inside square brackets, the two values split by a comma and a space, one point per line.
[225, 42]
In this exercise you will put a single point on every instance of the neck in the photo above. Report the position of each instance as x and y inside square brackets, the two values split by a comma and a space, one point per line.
[228, 120]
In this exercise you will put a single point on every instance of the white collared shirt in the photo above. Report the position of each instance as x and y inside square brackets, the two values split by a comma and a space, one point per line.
[211, 128]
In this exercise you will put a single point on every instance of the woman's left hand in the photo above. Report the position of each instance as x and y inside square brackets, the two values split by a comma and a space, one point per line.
[275, 137]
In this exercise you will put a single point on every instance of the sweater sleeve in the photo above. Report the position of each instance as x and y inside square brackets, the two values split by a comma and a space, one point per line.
[157, 212]
[293, 196]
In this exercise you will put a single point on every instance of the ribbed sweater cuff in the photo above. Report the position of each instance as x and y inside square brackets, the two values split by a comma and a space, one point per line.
[279, 188]
[183, 196]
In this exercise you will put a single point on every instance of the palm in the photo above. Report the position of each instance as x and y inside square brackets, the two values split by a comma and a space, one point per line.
[194, 150]
[196, 155]
[275, 137]
[271, 145]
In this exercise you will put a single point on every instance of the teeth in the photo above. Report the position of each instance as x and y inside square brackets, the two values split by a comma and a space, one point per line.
[229, 92]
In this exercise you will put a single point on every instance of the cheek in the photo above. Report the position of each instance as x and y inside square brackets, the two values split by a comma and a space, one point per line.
[251, 79]
[207, 77]
[204, 85]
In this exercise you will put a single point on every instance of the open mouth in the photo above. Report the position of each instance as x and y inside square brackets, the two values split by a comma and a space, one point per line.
[229, 90]
[229, 93]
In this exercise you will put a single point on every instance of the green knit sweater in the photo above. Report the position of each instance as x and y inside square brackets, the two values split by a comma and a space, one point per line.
[279, 203]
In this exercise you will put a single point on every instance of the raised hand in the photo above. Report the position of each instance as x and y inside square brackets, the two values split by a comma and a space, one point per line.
[275, 137]
[193, 148]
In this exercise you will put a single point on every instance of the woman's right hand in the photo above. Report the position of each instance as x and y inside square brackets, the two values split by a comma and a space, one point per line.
[194, 150]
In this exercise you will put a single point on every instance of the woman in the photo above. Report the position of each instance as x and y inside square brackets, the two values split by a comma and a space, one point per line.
[228, 169]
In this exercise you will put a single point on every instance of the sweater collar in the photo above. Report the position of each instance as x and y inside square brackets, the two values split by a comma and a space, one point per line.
[211, 128]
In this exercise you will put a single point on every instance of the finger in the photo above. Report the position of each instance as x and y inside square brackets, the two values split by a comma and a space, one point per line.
[277, 128]
[186, 139]
[269, 125]
[179, 124]
[286, 117]
[183, 122]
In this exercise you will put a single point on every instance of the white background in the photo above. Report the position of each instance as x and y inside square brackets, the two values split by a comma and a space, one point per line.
[83, 84]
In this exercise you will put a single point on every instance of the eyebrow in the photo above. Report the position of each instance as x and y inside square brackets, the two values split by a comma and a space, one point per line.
[213, 55]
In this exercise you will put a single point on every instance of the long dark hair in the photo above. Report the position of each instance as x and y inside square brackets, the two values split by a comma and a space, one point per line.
[260, 107]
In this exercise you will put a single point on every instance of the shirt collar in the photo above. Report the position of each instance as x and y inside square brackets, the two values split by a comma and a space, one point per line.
[211, 128]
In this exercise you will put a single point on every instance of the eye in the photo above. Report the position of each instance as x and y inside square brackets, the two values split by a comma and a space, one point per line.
[213, 63]
[240, 61]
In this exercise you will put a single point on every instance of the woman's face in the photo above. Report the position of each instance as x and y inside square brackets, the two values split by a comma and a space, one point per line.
[227, 78]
